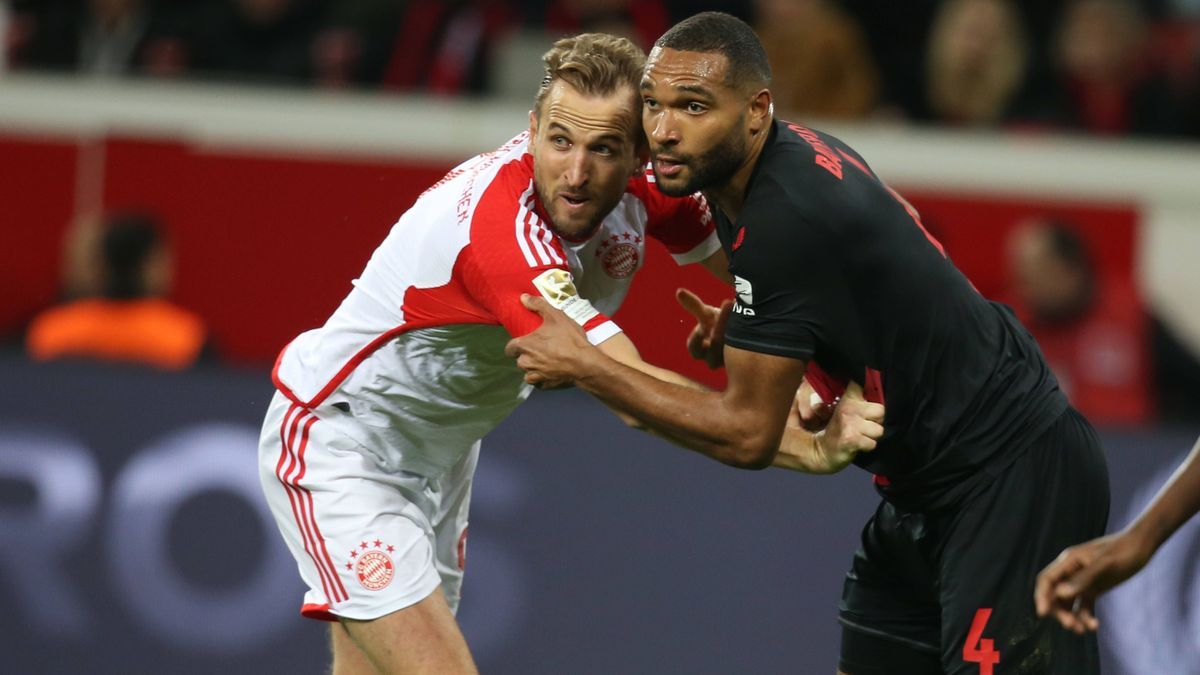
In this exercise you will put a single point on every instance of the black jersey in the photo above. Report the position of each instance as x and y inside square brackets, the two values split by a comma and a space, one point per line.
[832, 265]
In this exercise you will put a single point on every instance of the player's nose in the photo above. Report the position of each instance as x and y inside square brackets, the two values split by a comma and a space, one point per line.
[663, 130]
[577, 170]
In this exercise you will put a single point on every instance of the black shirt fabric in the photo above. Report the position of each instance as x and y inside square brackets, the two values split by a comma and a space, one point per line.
[832, 265]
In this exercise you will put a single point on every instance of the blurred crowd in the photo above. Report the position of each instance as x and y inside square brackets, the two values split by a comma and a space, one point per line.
[1106, 67]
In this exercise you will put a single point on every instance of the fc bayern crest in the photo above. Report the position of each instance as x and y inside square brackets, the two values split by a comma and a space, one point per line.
[619, 255]
[372, 565]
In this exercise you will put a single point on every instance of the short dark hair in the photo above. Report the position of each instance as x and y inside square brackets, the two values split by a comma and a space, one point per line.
[129, 239]
[1068, 245]
[722, 33]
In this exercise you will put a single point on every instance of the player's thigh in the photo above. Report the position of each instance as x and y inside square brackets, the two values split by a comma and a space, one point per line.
[889, 610]
[421, 638]
[1053, 496]
[348, 659]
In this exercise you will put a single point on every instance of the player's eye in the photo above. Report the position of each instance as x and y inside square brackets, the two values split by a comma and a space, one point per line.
[650, 103]
[696, 108]
[560, 141]
[603, 150]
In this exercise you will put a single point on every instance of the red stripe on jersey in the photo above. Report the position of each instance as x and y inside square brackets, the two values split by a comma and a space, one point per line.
[541, 238]
[533, 237]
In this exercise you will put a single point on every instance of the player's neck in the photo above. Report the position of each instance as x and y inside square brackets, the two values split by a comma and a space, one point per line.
[730, 195]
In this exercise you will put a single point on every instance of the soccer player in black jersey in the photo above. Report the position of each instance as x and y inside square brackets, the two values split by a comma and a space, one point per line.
[986, 472]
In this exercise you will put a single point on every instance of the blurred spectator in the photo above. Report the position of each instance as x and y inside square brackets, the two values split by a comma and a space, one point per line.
[7, 35]
[519, 51]
[101, 37]
[678, 10]
[258, 40]
[1106, 83]
[820, 64]
[1091, 327]
[354, 45]
[129, 321]
[896, 32]
[444, 46]
[976, 63]
[642, 21]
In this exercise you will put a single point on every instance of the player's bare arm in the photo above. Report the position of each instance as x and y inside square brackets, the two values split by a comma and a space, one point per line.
[853, 426]
[1069, 586]
[742, 426]
[718, 264]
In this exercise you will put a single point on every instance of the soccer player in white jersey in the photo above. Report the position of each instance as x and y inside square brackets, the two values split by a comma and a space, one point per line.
[369, 446]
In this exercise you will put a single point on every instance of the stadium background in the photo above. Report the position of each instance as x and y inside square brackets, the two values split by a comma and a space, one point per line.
[133, 537]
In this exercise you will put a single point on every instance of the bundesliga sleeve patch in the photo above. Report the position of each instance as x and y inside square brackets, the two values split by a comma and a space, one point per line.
[558, 288]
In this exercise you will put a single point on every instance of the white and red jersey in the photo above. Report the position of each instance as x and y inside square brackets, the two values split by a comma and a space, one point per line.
[415, 352]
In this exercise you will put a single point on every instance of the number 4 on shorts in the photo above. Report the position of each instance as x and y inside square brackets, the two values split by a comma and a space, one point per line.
[976, 650]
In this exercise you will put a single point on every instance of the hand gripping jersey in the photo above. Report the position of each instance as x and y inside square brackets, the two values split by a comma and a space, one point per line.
[415, 353]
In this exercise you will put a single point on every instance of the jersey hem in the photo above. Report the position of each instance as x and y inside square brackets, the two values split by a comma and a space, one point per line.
[702, 251]
[603, 332]
[803, 354]
[875, 632]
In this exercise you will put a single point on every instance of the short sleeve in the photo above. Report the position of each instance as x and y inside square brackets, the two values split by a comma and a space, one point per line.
[791, 296]
[513, 252]
[684, 225]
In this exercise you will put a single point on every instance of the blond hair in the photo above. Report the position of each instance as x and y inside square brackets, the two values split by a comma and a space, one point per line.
[594, 64]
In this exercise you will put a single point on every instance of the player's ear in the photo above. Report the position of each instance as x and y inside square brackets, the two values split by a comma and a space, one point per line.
[760, 111]
[641, 155]
[533, 121]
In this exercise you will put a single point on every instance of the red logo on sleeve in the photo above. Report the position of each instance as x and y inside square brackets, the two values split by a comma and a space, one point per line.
[741, 236]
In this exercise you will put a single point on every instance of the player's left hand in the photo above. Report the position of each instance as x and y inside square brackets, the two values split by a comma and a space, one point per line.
[1069, 586]
[706, 342]
[550, 355]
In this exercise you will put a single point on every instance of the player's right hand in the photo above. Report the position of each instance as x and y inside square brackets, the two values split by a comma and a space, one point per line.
[707, 339]
[855, 426]
[1069, 586]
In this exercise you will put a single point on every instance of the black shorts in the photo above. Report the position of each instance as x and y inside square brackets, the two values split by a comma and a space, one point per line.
[951, 591]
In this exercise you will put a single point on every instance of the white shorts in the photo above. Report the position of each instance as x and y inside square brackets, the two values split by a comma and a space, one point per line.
[368, 542]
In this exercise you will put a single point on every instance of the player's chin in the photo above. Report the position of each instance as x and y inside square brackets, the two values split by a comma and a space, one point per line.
[675, 186]
[578, 225]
